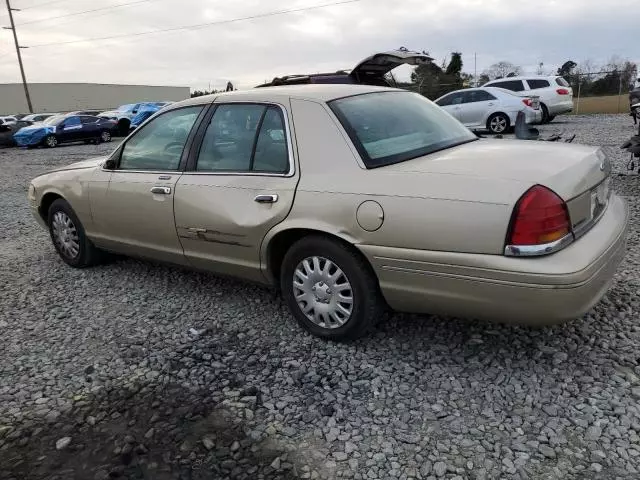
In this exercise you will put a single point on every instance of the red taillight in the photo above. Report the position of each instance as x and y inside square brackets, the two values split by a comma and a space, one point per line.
[540, 217]
[562, 91]
[527, 102]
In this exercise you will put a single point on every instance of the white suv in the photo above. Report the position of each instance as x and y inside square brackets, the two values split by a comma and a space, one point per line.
[556, 96]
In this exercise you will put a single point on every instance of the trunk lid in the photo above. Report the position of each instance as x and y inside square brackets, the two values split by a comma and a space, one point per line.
[378, 65]
[578, 173]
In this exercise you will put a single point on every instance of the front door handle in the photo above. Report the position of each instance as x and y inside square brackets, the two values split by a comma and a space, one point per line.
[161, 190]
[266, 198]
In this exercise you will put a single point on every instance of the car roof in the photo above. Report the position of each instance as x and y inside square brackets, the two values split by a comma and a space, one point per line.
[524, 77]
[317, 92]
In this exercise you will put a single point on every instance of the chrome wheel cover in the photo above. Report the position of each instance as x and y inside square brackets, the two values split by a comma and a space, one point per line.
[498, 124]
[52, 141]
[65, 235]
[323, 292]
[106, 136]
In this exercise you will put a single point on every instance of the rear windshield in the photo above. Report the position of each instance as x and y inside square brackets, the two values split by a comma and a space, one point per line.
[562, 82]
[392, 127]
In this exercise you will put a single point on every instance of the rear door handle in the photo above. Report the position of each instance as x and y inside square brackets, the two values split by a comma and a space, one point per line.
[266, 198]
[161, 190]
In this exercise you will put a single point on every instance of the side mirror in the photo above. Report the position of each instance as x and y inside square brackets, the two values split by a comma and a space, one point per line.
[109, 165]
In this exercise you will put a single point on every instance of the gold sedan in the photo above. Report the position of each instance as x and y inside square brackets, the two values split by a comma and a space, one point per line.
[350, 199]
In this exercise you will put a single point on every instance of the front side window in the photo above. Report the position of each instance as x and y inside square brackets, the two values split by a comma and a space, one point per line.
[474, 96]
[392, 127]
[537, 83]
[451, 99]
[513, 85]
[159, 144]
[71, 122]
[244, 138]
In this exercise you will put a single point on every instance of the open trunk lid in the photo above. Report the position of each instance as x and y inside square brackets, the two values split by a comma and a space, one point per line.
[377, 66]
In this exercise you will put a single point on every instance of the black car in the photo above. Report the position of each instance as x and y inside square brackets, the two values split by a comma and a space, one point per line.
[66, 129]
[93, 113]
[370, 71]
[8, 131]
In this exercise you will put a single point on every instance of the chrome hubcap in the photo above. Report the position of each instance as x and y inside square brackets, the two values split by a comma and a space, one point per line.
[498, 124]
[323, 292]
[52, 142]
[65, 235]
[105, 136]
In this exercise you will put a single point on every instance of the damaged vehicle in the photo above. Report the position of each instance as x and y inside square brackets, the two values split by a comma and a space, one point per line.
[124, 114]
[7, 131]
[370, 71]
[65, 129]
[350, 199]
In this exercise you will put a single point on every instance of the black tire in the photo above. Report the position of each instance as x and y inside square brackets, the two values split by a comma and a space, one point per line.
[87, 254]
[50, 141]
[105, 136]
[550, 118]
[368, 305]
[498, 123]
[545, 113]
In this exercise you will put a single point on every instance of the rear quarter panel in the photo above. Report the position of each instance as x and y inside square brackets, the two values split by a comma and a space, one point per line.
[423, 211]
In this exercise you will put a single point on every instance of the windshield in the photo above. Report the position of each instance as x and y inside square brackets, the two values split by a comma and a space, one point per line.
[392, 127]
[54, 120]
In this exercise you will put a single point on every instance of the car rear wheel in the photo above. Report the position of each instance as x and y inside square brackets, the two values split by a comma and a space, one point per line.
[498, 123]
[546, 118]
[105, 136]
[330, 289]
[68, 236]
[51, 141]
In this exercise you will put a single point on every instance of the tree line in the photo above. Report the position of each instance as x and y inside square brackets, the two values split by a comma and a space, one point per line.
[434, 80]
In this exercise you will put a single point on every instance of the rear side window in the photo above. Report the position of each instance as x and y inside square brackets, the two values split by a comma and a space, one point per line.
[245, 138]
[562, 82]
[513, 85]
[392, 127]
[537, 83]
[87, 120]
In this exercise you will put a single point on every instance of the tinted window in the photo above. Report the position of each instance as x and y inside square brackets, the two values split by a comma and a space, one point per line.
[271, 146]
[159, 144]
[477, 96]
[86, 120]
[451, 99]
[562, 82]
[72, 122]
[537, 83]
[391, 127]
[514, 85]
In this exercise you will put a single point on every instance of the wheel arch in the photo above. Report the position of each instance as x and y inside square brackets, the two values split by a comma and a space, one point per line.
[45, 203]
[278, 242]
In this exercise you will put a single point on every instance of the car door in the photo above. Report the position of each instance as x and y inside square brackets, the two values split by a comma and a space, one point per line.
[238, 185]
[90, 129]
[476, 107]
[70, 130]
[132, 204]
[452, 103]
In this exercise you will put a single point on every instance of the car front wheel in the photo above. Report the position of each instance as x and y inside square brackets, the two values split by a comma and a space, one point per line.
[51, 141]
[105, 136]
[68, 236]
[330, 289]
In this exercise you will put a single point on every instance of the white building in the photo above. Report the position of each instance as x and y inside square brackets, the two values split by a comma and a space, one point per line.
[66, 97]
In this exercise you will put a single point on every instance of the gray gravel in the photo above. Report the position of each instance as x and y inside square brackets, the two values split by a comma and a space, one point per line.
[137, 370]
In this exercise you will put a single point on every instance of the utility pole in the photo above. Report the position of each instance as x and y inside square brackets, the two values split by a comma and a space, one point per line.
[475, 68]
[18, 47]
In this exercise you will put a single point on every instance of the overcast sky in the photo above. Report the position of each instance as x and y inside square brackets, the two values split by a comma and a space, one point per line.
[326, 39]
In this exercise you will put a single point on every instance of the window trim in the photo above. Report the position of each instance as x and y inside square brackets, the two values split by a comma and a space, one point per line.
[191, 163]
[117, 153]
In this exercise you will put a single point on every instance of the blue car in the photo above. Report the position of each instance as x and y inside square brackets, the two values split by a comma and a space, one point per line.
[142, 115]
[65, 129]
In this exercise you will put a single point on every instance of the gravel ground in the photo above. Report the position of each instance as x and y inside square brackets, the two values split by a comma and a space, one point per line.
[136, 370]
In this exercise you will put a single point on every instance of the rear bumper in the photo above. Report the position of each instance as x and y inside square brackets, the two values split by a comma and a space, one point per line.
[533, 291]
[561, 107]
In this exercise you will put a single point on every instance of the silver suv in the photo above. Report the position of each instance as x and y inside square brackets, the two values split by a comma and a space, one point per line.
[556, 95]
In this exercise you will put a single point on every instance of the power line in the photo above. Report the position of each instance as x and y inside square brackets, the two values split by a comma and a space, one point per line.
[198, 25]
[44, 4]
[128, 4]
